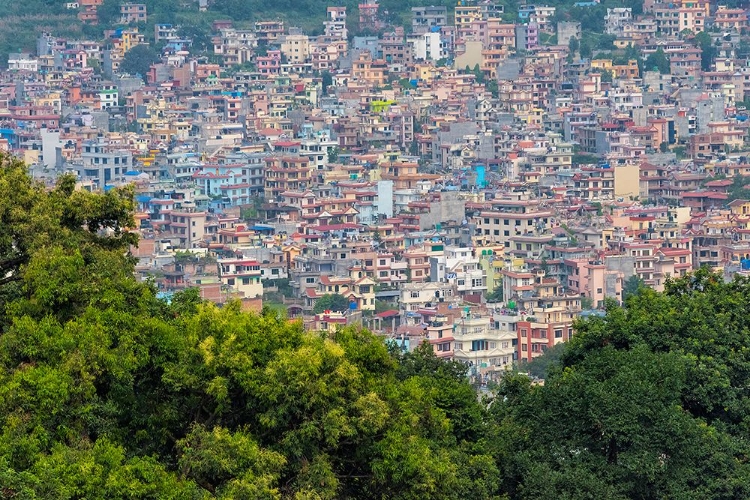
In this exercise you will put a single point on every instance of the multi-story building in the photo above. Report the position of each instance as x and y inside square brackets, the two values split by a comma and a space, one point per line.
[424, 19]
[103, 163]
[286, 173]
[242, 276]
[335, 23]
[133, 13]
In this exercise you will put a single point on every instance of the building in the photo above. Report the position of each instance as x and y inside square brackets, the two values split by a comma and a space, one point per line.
[242, 276]
[133, 13]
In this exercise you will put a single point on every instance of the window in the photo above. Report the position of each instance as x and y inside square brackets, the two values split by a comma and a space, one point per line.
[523, 332]
[309, 280]
[558, 334]
[245, 281]
[230, 282]
[414, 295]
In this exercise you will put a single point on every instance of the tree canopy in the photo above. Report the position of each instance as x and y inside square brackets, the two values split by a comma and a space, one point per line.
[108, 392]
[647, 402]
[138, 60]
[331, 302]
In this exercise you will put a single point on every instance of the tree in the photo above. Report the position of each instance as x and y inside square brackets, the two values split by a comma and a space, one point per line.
[649, 400]
[75, 225]
[708, 50]
[573, 45]
[632, 286]
[333, 154]
[331, 302]
[138, 60]
[540, 366]
[658, 61]
[587, 303]
[327, 81]
[607, 76]
[199, 36]
[109, 392]
[108, 13]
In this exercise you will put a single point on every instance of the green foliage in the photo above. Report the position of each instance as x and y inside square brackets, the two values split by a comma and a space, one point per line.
[541, 366]
[333, 155]
[585, 159]
[648, 402]
[632, 286]
[496, 295]
[739, 189]
[708, 50]
[658, 61]
[138, 60]
[574, 44]
[331, 302]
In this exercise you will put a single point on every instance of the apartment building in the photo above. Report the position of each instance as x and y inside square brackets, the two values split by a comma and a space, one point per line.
[242, 276]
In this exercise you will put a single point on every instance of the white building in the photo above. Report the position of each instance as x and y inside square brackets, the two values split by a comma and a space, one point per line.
[22, 61]
[483, 343]
[429, 46]
[616, 19]
[460, 268]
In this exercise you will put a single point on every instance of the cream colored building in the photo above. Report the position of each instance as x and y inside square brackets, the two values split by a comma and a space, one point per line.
[295, 48]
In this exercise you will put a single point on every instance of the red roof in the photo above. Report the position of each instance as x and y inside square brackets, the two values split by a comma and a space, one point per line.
[387, 314]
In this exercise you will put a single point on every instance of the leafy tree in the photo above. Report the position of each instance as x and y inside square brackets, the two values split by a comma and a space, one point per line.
[201, 41]
[542, 365]
[586, 303]
[632, 286]
[333, 155]
[327, 80]
[708, 50]
[739, 189]
[658, 61]
[331, 302]
[138, 60]
[492, 87]
[573, 45]
[585, 159]
[649, 401]
[108, 13]
[496, 295]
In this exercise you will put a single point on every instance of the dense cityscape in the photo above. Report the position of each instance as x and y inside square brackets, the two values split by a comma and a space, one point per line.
[481, 185]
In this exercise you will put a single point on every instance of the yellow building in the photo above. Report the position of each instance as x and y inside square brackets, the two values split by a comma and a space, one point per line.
[627, 181]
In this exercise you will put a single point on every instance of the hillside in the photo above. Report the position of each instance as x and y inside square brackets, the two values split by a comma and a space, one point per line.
[21, 22]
